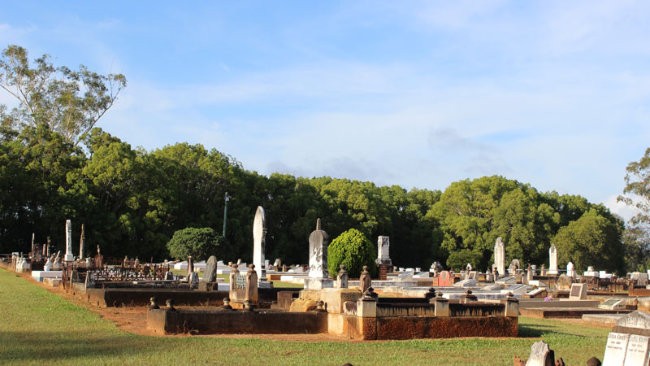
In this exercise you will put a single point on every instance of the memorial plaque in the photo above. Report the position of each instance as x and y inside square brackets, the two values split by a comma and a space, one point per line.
[578, 291]
[637, 351]
[615, 349]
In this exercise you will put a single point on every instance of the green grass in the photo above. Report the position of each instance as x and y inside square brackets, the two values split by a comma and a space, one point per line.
[40, 328]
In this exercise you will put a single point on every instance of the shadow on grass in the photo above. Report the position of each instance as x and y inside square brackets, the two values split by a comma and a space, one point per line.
[67, 346]
[536, 330]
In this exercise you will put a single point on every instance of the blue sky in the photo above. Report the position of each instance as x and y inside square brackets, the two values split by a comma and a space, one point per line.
[414, 93]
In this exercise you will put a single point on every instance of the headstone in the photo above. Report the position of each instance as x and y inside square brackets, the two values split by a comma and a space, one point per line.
[251, 285]
[578, 291]
[540, 355]
[615, 349]
[499, 256]
[342, 277]
[364, 280]
[383, 251]
[82, 241]
[612, 304]
[237, 285]
[69, 257]
[210, 274]
[318, 278]
[443, 279]
[513, 267]
[552, 260]
[570, 271]
[259, 243]
[637, 351]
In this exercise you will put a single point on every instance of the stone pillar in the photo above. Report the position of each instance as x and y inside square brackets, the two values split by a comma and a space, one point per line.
[259, 243]
[367, 307]
[69, 257]
[512, 306]
[441, 306]
[499, 257]
[552, 260]
[82, 241]
[251, 285]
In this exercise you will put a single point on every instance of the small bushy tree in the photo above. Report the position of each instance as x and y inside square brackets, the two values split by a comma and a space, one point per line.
[200, 243]
[352, 249]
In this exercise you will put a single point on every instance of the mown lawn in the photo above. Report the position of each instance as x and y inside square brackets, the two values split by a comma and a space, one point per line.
[40, 328]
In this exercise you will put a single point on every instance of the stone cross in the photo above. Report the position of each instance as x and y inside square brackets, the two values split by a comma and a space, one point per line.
[499, 256]
[69, 257]
[259, 242]
[552, 260]
[318, 241]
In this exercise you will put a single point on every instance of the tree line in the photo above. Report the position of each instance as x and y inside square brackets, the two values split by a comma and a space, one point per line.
[57, 165]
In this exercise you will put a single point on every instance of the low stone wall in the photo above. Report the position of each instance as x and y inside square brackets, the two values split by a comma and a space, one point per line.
[235, 322]
[403, 327]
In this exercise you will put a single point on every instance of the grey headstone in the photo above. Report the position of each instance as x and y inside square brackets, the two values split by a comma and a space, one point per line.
[578, 291]
[210, 274]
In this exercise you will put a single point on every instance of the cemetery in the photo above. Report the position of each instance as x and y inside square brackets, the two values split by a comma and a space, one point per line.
[212, 297]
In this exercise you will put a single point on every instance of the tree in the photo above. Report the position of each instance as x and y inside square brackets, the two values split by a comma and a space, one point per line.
[69, 102]
[200, 243]
[637, 189]
[351, 249]
[592, 240]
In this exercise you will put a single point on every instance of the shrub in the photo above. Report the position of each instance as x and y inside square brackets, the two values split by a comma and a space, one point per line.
[200, 243]
[352, 249]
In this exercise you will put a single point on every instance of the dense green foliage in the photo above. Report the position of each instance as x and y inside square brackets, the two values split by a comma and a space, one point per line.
[200, 243]
[637, 194]
[351, 249]
[132, 201]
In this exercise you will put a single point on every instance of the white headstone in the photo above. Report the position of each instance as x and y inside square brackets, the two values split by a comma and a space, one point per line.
[615, 349]
[552, 260]
[383, 252]
[259, 242]
[570, 271]
[637, 351]
[318, 241]
[539, 351]
[69, 257]
[499, 257]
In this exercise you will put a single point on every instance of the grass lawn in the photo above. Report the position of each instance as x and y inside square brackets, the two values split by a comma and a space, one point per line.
[41, 328]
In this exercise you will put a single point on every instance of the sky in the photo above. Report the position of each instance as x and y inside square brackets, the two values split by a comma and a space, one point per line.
[420, 94]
